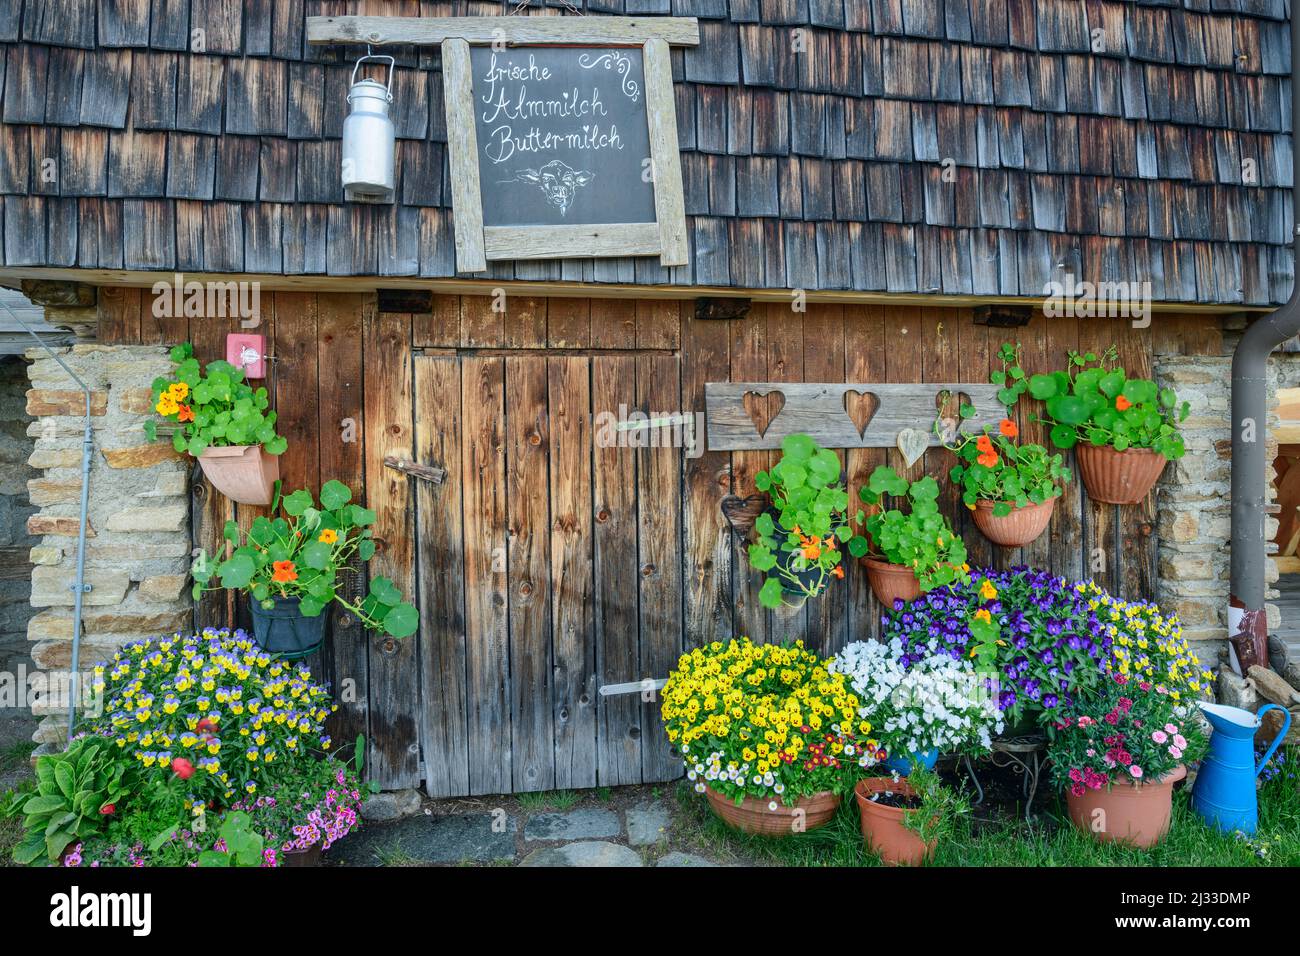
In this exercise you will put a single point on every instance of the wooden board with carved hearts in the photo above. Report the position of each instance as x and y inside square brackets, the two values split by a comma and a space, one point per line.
[745, 415]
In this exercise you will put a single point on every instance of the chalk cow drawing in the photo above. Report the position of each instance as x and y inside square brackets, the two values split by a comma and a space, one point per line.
[559, 181]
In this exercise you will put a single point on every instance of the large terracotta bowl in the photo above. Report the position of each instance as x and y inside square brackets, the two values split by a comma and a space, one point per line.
[1020, 527]
[1118, 477]
[1128, 811]
[890, 581]
[756, 816]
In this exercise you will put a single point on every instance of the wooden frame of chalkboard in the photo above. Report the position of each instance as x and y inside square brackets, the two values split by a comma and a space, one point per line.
[662, 234]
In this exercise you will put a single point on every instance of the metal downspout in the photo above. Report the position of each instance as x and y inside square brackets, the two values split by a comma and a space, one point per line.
[1247, 619]
[79, 588]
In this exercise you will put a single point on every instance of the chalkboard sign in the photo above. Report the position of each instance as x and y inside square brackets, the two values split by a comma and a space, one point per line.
[563, 135]
[565, 149]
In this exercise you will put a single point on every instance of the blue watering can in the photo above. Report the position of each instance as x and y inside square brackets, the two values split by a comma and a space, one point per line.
[1224, 792]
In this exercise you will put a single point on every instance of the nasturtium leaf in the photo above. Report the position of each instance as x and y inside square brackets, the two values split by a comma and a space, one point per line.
[401, 621]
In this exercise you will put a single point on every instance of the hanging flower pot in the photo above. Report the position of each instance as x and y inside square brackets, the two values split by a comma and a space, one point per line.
[891, 581]
[1016, 529]
[771, 817]
[285, 630]
[1126, 811]
[883, 829]
[243, 473]
[1118, 477]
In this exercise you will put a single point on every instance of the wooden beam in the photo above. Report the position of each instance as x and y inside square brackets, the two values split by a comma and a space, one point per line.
[462, 143]
[560, 242]
[433, 31]
[666, 163]
[596, 290]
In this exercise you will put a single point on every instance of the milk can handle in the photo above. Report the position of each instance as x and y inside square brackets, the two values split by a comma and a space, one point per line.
[392, 65]
[1286, 725]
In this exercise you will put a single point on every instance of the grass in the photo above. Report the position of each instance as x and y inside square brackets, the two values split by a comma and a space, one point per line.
[1050, 841]
[550, 800]
[16, 755]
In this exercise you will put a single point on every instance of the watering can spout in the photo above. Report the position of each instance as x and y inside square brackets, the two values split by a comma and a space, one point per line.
[1224, 794]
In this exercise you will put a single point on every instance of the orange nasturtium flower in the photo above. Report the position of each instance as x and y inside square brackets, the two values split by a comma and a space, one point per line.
[186, 414]
[328, 536]
[1008, 428]
[987, 591]
[838, 571]
[984, 444]
[812, 551]
[983, 615]
[988, 459]
[1122, 403]
[284, 572]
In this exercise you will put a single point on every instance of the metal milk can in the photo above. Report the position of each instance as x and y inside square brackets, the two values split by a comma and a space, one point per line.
[369, 139]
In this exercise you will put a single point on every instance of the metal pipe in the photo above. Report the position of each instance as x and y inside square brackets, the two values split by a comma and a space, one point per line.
[79, 588]
[1248, 623]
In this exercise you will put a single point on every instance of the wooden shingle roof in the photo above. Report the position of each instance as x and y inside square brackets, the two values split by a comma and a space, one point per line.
[967, 147]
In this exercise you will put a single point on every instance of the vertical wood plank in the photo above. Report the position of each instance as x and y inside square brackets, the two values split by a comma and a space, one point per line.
[706, 568]
[573, 627]
[1034, 358]
[659, 492]
[296, 380]
[440, 327]
[528, 562]
[658, 323]
[119, 316]
[1066, 529]
[941, 329]
[341, 438]
[462, 147]
[487, 681]
[613, 383]
[748, 364]
[1136, 574]
[438, 431]
[864, 361]
[823, 361]
[481, 324]
[525, 322]
[166, 329]
[670, 209]
[394, 664]
[613, 323]
[1100, 539]
[974, 346]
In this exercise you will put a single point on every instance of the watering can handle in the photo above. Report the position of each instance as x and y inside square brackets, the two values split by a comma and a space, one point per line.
[1286, 725]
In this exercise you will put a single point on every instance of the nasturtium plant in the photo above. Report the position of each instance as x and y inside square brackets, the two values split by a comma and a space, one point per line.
[212, 407]
[920, 538]
[799, 539]
[1094, 400]
[994, 468]
[302, 554]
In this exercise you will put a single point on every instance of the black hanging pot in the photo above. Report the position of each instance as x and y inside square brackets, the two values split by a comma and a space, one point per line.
[807, 577]
[285, 630]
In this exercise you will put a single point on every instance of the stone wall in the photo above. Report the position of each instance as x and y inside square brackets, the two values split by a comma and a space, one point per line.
[1194, 505]
[138, 539]
[15, 543]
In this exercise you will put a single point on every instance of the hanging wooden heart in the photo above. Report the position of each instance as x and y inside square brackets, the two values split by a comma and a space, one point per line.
[912, 442]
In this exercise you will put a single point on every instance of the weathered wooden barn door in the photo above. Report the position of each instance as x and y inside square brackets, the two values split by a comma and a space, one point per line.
[549, 564]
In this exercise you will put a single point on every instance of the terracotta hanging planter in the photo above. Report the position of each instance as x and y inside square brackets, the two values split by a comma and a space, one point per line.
[756, 816]
[1118, 477]
[890, 581]
[1128, 811]
[1016, 529]
[243, 473]
[883, 829]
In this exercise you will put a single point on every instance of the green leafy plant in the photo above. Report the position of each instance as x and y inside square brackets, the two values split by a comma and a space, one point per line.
[992, 467]
[212, 407]
[799, 548]
[302, 554]
[243, 845]
[921, 538]
[941, 807]
[1094, 400]
[75, 792]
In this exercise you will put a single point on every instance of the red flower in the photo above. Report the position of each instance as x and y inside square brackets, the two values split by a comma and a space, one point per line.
[205, 725]
[182, 768]
[108, 809]
[1122, 403]
[1008, 428]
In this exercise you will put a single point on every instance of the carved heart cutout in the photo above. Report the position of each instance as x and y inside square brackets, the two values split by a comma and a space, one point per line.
[861, 407]
[912, 442]
[763, 407]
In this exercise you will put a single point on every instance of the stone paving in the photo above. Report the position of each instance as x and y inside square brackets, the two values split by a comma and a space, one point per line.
[402, 830]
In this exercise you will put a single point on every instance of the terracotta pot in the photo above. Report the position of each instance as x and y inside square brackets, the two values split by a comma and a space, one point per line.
[1129, 811]
[1019, 528]
[755, 816]
[243, 473]
[889, 581]
[1118, 477]
[883, 829]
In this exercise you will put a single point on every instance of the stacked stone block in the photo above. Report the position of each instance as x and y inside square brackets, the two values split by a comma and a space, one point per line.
[138, 537]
